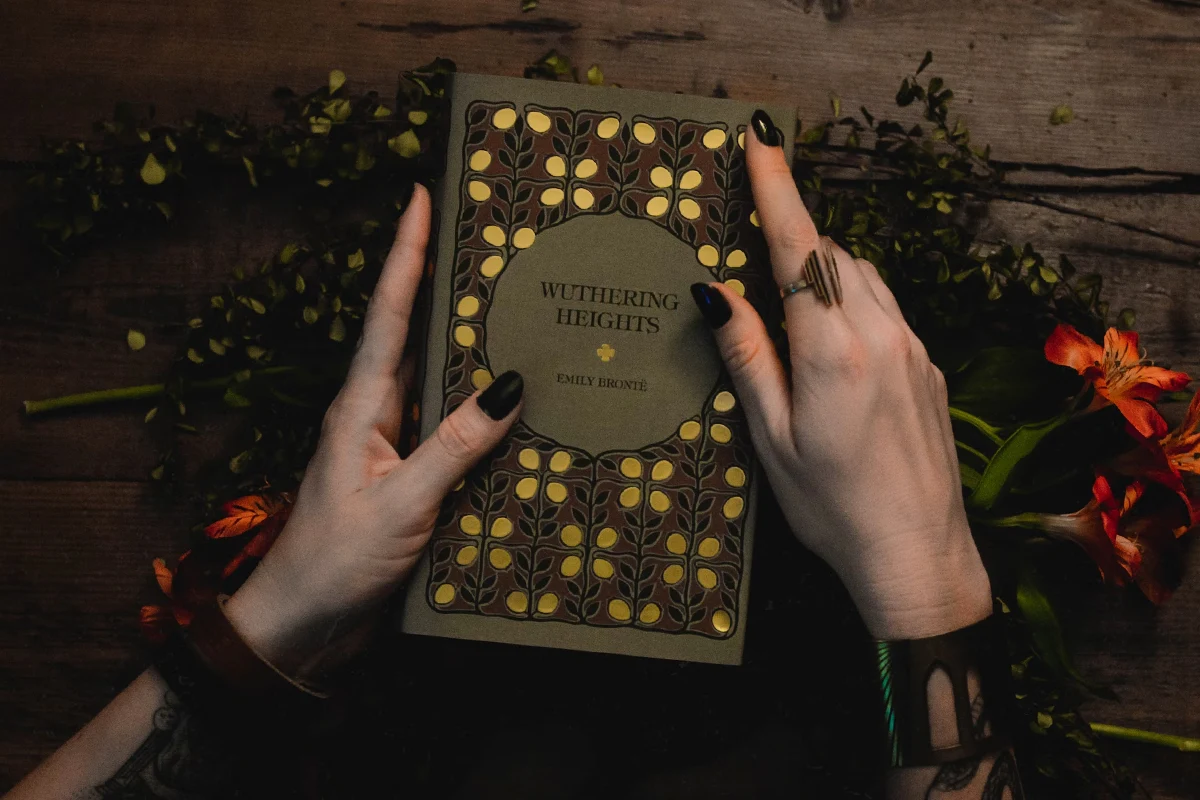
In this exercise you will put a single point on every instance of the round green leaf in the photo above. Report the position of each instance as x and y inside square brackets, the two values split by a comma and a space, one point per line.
[152, 172]
[135, 339]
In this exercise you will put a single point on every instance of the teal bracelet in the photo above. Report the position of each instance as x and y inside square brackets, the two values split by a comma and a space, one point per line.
[904, 671]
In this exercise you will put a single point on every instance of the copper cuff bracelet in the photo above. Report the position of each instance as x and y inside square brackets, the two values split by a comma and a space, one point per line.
[904, 671]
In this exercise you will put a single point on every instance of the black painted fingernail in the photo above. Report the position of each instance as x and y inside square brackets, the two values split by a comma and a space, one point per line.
[499, 399]
[713, 307]
[765, 130]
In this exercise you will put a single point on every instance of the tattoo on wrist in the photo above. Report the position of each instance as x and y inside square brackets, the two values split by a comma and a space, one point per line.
[958, 779]
[181, 758]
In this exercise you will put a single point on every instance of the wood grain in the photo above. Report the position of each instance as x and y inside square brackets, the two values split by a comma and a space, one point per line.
[78, 525]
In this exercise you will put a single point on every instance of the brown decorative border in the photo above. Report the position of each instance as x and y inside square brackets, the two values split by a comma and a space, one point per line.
[651, 538]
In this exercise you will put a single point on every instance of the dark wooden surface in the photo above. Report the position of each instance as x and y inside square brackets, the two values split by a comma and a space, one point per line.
[78, 525]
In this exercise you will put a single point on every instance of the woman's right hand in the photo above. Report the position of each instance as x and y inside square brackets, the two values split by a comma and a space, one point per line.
[856, 443]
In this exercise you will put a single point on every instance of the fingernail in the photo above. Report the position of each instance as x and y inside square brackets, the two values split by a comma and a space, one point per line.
[765, 130]
[499, 399]
[713, 307]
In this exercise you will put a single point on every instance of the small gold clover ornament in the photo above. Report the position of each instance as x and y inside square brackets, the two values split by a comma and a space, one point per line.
[606, 353]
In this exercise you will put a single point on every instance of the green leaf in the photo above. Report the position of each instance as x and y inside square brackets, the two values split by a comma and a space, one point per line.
[1007, 385]
[311, 314]
[151, 414]
[595, 76]
[407, 145]
[217, 347]
[235, 399]
[194, 356]
[1047, 633]
[250, 171]
[135, 339]
[237, 464]
[418, 117]
[288, 253]
[528, 5]
[337, 329]
[152, 172]
[356, 260]
[337, 79]
[997, 477]
[925, 62]
[1062, 115]
[255, 352]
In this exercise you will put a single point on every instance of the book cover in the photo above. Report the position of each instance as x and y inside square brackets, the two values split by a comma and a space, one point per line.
[618, 515]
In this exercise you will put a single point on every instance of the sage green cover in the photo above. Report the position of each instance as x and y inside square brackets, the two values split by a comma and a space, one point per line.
[619, 514]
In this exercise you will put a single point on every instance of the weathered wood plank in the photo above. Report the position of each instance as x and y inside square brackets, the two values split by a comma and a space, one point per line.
[1127, 67]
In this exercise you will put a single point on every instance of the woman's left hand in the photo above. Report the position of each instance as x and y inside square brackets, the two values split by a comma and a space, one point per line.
[363, 514]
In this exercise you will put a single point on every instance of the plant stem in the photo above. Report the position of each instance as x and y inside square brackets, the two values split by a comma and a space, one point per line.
[143, 392]
[990, 431]
[1029, 519]
[1181, 743]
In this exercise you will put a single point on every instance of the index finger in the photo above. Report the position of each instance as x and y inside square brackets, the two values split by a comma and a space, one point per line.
[389, 314]
[789, 230]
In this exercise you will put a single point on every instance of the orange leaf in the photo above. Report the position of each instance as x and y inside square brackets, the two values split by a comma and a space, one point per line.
[164, 576]
[243, 515]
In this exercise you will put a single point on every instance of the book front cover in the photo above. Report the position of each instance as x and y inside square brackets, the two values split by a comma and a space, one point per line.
[618, 515]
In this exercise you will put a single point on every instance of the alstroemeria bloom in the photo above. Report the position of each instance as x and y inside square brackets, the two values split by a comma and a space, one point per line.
[1118, 373]
[1182, 445]
[1130, 537]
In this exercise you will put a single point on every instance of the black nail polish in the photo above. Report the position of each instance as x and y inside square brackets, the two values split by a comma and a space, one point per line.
[713, 307]
[765, 130]
[503, 395]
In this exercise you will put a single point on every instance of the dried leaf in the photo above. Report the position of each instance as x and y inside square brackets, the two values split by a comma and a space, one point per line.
[1062, 115]
[243, 515]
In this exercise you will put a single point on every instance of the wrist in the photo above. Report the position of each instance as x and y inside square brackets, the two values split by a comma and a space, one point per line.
[924, 595]
[270, 624]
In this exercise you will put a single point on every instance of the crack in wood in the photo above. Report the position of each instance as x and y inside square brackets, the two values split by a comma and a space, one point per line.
[658, 35]
[424, 29]
[1188, 4]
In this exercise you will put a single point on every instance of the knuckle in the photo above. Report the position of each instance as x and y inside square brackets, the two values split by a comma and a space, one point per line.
[457, 437]
[742, 356]
[794, 236]
[844, 353]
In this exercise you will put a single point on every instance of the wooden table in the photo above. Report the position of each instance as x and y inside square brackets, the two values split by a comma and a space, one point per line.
[78, 525]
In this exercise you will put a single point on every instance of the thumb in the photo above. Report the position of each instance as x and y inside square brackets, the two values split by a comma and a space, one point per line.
[465, 436]
[750, 357]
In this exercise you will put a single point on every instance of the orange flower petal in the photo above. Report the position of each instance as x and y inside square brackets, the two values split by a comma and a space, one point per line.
[1121, 348]
[1070, 348]
[1142, 415]
[163, 575]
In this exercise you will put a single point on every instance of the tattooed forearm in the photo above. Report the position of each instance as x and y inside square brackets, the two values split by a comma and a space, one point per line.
[181, 759]
[960, 779]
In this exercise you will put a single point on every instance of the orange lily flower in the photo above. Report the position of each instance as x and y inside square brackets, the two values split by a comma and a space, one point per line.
[1182, 445]
[1118, 373]
[1130, 537]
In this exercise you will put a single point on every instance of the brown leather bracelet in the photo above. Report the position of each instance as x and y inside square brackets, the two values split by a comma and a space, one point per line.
[225, 654]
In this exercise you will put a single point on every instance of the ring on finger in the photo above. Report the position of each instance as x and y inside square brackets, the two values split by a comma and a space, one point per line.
[820, 275]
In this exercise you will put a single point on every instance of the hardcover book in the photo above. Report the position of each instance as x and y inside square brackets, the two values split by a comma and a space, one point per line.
[618, 515]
